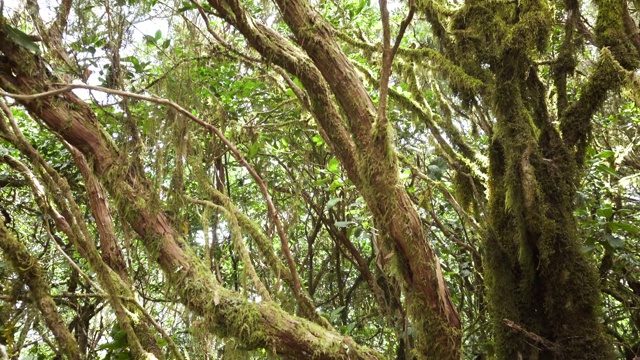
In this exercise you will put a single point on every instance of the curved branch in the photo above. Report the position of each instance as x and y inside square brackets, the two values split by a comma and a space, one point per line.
[239, 243]
[28, 267]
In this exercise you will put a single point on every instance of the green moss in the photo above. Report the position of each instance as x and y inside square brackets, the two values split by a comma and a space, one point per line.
[576, 125]
[459, 80]
[30, 271]
[535, 273]
[610, 32]
[463, 190]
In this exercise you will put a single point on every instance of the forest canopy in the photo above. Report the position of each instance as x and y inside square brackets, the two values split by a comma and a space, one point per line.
[319, 179]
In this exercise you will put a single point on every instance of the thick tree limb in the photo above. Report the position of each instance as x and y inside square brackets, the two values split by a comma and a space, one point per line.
[278, 49]
[294, 279]
[70, 222]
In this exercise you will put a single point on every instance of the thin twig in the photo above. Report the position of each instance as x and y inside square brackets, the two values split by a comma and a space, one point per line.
[388, 53]
[403, 28]
[218, 38]
[548, 344]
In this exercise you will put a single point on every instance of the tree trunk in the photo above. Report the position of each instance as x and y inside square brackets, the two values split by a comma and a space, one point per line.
[543, 293]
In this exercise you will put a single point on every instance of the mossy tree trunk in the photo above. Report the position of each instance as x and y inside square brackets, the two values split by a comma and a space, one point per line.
[27, 266]
[536, 274]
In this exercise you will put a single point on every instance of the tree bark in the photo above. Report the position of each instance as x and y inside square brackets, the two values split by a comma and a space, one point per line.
[538, 279]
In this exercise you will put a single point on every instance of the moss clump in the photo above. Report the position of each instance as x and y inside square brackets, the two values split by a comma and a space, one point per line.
[610, 32]
[464, 191]
[575, 125]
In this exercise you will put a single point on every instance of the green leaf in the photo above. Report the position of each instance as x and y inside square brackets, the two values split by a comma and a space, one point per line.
[321, 181]
[298, 83]
[614, 242]
[337, 183]
[615, 226]
[158, 35]
[343, 224]
[606, 211]
[331, 203]
[186, 6]
[361, 6]
[335, 313]
[317, 139]
[254, 148]
[334, 165]
[607, 170]
[108, 346]
[437, 168]
[21, 39]
[605, 154]
[149, 39]
[349, 328]
[120, 337]
[405, 174]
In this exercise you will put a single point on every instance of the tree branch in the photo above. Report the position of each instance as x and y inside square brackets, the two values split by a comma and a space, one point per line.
[28, 267]
[385, 66]
[549, 345]
[273, 213]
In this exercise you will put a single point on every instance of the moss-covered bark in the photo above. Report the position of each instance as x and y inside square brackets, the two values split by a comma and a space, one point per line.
[28, 267]
[535, 271]
[111, 252]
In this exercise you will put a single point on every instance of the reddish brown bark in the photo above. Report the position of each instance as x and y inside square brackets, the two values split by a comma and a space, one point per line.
[111, 252]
